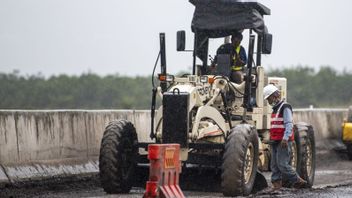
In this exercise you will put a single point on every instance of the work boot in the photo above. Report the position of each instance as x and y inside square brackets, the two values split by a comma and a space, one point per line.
[300, 183]
[276, 185]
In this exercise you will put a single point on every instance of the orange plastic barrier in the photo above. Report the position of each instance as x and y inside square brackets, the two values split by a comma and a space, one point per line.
[165, 167]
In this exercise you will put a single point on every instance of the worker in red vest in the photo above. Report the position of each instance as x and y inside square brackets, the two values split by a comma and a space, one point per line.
[281, 136]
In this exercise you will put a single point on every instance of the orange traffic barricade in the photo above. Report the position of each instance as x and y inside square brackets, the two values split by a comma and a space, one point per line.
[165, 167]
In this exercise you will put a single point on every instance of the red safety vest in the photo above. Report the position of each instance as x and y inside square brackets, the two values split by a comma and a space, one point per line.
[277, 129]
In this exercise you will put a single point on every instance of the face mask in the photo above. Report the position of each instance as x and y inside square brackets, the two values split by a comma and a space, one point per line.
[273, 103]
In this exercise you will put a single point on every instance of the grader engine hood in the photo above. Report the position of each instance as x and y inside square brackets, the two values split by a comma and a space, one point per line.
[175, 118]
[177, 105]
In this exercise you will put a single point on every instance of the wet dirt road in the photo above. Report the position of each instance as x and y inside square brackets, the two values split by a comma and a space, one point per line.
[333, 178]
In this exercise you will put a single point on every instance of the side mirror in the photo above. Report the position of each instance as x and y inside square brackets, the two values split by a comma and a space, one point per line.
[181, 40]
[267, 43]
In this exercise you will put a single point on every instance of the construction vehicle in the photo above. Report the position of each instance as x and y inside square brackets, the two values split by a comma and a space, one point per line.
[218, 123]
[347, 132]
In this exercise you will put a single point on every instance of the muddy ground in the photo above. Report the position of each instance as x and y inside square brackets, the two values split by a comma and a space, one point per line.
[333, 178]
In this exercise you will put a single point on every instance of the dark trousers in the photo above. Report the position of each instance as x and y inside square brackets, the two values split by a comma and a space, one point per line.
[280, 164]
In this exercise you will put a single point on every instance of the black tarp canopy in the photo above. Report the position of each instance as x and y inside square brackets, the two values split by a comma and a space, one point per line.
[219, 18]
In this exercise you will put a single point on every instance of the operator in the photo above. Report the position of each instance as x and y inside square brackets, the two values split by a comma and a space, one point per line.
[239, 58]
[281, 136]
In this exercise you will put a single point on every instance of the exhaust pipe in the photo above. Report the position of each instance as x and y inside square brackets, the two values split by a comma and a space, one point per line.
[163, 84]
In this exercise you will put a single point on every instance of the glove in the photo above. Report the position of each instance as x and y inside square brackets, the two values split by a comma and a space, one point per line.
[284, 143]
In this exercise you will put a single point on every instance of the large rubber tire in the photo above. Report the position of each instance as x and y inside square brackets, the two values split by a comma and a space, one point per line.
[240, 157]
[118, 157]
[305, 144]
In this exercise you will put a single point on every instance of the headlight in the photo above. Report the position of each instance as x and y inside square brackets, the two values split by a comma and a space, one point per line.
[207, 79]
[167, 78]
[170, 78]
[204, 79]
[192, 78]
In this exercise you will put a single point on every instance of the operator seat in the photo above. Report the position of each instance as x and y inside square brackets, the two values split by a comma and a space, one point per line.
[224, 59]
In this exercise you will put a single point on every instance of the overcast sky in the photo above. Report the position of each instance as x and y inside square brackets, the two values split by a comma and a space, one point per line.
[117, 36]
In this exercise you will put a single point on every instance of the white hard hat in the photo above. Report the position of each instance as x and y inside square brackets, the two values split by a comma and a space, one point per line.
[268, 90]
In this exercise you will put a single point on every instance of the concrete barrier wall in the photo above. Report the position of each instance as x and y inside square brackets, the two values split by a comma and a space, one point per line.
[326, 122]
[327, 125]
[27, 136]
[37, 144]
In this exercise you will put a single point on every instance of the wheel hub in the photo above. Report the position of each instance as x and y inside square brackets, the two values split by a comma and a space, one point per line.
[248, 166]
[309, 159]
[294, 155]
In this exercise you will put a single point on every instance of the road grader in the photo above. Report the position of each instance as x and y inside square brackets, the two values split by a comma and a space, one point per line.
[218, 123]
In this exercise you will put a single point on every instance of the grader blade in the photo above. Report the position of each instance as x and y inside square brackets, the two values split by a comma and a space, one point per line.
[260, 182]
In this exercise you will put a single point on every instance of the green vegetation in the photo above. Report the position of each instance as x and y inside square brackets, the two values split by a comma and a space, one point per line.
[324, 88]
[88, 91]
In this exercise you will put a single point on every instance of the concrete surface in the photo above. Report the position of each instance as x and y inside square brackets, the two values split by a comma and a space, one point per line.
[3, 177]
[333, 179]
[41, 144]
[61, 168]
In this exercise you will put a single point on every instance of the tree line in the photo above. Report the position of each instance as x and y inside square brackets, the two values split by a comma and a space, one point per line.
[87, 91]
[323, 88]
